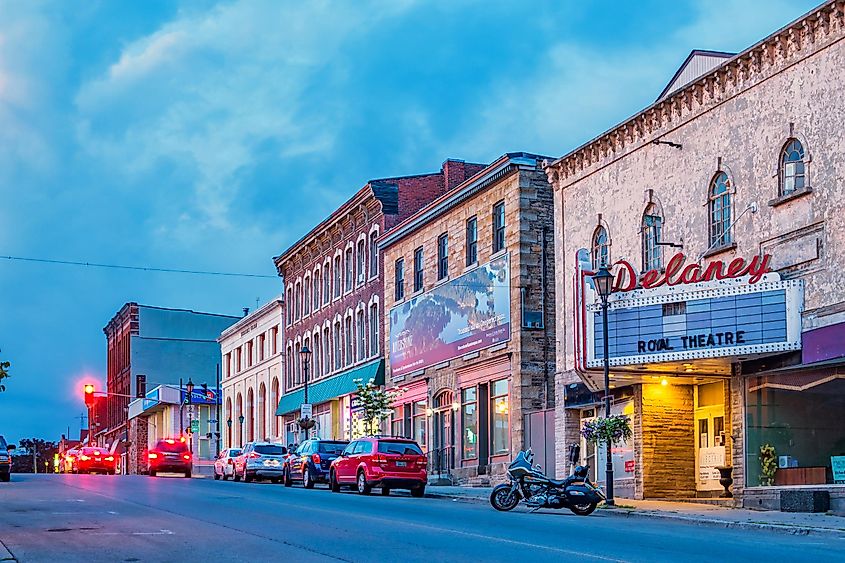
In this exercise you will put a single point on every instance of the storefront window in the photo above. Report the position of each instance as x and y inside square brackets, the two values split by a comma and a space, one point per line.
[397, 423]
[323, 417]
[499, 418]
[799, 416]
[469, 423]
[419, 422]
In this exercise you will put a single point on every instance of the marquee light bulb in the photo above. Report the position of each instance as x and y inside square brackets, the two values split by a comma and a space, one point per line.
[664, 382]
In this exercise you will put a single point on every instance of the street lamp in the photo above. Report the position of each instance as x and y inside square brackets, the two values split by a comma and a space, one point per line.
[229, 431]
[241, 421]
[306, 423]
[603, 280]
[189, 387]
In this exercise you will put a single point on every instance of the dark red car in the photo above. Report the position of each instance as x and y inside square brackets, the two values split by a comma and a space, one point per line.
[170, 456]
[387, 463]
[94, 460]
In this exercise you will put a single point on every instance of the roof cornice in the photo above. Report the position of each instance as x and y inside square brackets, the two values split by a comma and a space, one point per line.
[808, 34]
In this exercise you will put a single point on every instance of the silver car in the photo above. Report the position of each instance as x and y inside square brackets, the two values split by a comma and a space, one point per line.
[261, 460]
[224, 465]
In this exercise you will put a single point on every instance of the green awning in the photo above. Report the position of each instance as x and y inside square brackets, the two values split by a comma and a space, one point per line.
[333, 387]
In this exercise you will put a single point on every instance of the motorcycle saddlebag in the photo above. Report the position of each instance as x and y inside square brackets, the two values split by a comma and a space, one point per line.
[577, 493]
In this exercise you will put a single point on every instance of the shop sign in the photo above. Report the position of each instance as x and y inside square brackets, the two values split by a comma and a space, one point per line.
[306, 410]
[837, 464]
[459, 317]
[708, 460]
[734, 309]
[629, 466]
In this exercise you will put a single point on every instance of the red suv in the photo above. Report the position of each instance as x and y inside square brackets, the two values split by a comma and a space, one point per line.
[388, 463]
[94, 460]
[170, 456]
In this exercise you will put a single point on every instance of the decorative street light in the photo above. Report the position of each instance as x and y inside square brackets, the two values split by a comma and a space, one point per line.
[306, 422]
[603, 280]
[189, 387]
[241, 421]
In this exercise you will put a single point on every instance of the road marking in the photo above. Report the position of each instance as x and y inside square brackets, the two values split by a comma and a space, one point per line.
[159, 533]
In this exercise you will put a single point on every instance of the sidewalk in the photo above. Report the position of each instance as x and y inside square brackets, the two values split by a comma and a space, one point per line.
[703, 514]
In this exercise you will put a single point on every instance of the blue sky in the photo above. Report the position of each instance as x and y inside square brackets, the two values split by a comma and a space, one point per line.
[210, 135]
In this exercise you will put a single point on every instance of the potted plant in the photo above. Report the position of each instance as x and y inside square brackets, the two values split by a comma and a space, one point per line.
[768, 465]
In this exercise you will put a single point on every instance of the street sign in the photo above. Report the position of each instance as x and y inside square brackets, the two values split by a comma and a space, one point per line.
[195, 426]
[306, 410]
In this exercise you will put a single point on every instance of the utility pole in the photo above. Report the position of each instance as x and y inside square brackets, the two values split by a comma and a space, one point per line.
[34, 456]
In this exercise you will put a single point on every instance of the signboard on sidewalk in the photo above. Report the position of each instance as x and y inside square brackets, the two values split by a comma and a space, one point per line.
[306, 410]
[837, 464]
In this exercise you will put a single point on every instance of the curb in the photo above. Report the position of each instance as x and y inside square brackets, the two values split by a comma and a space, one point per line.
[739, 525]
[713, 522]
[5, 554]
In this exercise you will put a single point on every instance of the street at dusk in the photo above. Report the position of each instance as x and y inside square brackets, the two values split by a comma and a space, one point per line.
[82, 518]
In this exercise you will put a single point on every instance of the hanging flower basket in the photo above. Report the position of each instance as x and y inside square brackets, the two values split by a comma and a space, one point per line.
[306, 423]
[616, 429]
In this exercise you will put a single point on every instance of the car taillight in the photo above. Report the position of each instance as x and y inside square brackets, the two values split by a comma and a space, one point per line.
[253, 455]
[186, 457]
[316, 459]
[422, 461]
[110, 458]
[379, 459]
[153, 455]
[84, 458]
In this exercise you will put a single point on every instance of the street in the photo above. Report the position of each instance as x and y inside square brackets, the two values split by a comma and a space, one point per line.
[137, 518]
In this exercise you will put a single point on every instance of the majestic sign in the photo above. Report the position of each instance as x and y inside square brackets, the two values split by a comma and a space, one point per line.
[461, 316]
[688, 312]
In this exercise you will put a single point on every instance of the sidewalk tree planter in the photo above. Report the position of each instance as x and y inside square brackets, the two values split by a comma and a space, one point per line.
[376, 403]
[614, 429]
[768, 465]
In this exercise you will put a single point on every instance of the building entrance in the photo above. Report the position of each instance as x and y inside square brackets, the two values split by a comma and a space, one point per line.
[710, 435]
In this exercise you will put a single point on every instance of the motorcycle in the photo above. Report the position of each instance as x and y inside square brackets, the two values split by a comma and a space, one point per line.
[528, 483]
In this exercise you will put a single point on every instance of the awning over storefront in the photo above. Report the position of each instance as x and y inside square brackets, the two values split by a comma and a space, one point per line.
[333, 387]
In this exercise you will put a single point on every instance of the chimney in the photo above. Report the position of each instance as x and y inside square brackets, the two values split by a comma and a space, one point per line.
[454, 172]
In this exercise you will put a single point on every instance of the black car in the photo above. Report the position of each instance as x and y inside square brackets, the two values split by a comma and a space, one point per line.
[5, 460]
[310, 464]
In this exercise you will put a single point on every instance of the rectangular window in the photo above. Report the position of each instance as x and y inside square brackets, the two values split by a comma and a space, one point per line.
[672, 309]
[469, 422]
[419, 423]
[274, 339]
[349, 334]
[399, 279]
[374, 330]
[442, 256]
[373, 254]
[397, 422]
[349, 266]
[261, 347]
[472, 241]
[499, 417]
[418, 269]
[499, 227]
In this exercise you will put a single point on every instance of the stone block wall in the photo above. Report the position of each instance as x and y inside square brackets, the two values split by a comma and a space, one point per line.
[137, 450]
[664, 441]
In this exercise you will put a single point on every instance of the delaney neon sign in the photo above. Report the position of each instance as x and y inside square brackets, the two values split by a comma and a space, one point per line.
[676, 273]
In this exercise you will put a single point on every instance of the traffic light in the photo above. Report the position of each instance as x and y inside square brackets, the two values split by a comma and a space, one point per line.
[89, 395]
[209, 394]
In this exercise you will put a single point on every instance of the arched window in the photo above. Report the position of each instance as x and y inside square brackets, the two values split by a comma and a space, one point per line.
[361, 261]
[327, 351]
[792, 173]
[601, 248]
[720, 210]
[228, 422]
[250, 415]
[652, 230]
[307, 362]
[338, 346]
[289, 305]
[374, 252]
[327, 282]
[349, 351]
[317, 288]
[239, 409]
[262, 412]
[360, 335]
[289, 367]
[274, 404]
[375, 322]
[297, 295]
[306, 298]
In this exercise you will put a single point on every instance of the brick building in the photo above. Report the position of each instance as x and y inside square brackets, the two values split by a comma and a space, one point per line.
[716, 209]
[333, 296]
[469, 308]
[147, 347]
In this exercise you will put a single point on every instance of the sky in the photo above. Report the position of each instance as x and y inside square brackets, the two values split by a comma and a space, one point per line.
[211, 135]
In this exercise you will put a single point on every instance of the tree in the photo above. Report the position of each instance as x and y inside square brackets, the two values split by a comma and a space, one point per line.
[377, 403]
[34, 449]
[4, 366]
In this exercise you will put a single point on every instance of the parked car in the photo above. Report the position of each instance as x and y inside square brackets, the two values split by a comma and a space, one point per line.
[170, 456]
[260, 460]
[69, 458]
[311, 462]
[388, 463]
[5, 460]
[224, 465]
[93, 460]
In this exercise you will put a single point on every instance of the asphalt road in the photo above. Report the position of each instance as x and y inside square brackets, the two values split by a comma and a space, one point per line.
[95, 518]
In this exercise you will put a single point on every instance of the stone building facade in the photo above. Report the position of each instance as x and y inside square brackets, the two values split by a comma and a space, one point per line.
[470, 319]
[718, 211]
[251, 379]
[334, 298]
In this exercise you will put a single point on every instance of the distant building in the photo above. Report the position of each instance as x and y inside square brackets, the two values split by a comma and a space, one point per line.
[333, 298]
[470, 319]
[252, 373]
[150, 347]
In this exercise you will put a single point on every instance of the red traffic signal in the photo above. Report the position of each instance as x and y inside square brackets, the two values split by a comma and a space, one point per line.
[89, 395]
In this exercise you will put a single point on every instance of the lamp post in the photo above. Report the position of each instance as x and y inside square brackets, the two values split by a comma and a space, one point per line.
[229, 432]
[306, 423]
[603, 280]
[241, 421]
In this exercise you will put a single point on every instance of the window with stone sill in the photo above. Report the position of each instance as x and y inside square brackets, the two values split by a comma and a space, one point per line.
[601, 248]
[792, 168]
[651, 231]
[720, 210]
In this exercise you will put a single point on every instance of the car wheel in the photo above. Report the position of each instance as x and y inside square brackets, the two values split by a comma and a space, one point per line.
[216, 476]
[235, 476]
[188, 474]
[247, 477]
[288, 481]
[152, 473]
[307, 482]
[385, 492]
[334, 486]
[363, 487]
[418, 492]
